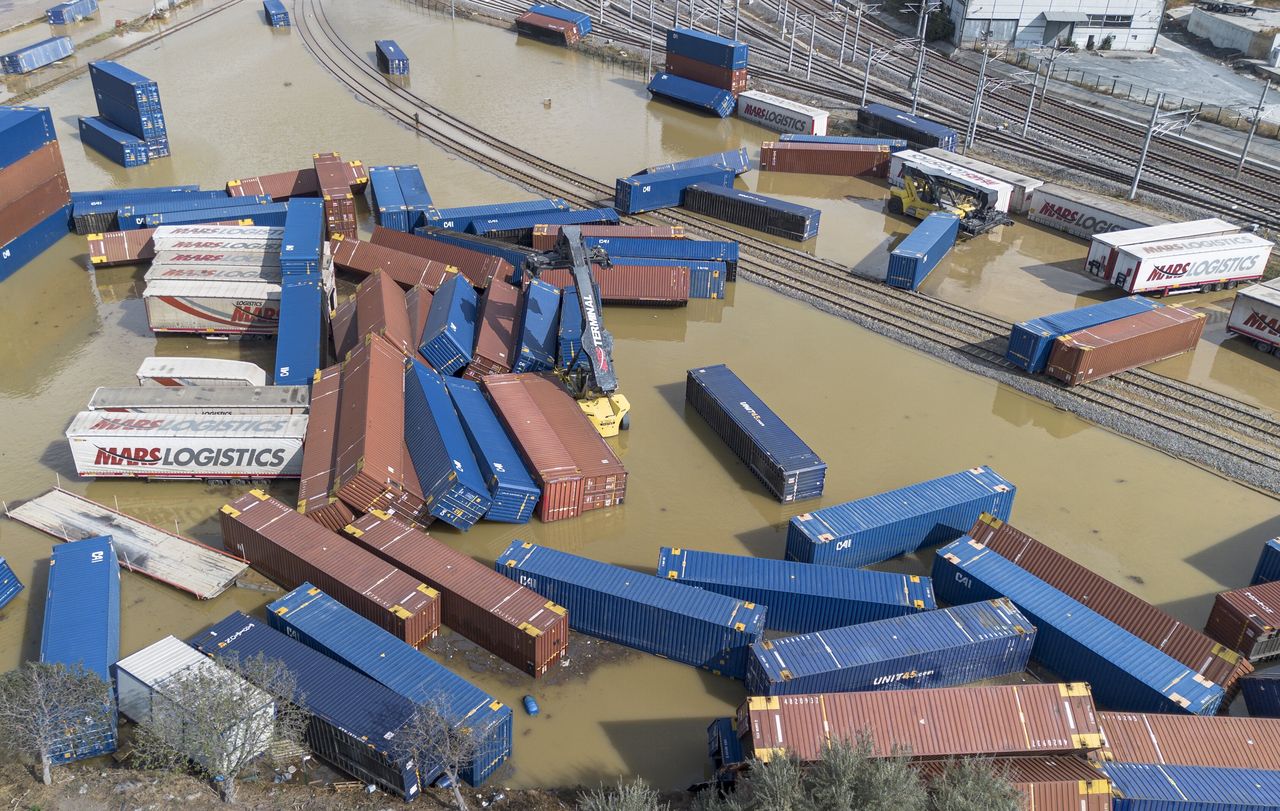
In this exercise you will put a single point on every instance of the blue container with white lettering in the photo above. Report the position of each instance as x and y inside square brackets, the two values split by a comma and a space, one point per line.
[700, 96]
[450, 332]
[386, 201]
[736, 159]
[459, 219]
[704, 47]
[447, 470]
[535, 349]
[299, 345]
[702, 250]
[1161, 787]
[512, 491]
[655, 190]
[917, 255]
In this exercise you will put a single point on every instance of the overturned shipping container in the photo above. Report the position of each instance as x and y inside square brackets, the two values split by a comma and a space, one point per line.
[1127, 343]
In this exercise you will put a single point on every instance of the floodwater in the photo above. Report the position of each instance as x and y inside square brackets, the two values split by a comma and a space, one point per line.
[882, 415]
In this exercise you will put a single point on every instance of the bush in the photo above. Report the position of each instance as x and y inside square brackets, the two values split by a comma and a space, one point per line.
[634, 796]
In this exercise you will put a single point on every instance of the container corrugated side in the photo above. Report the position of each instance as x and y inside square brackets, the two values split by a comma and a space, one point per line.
[579, 18]
[1152, 787]
[545, 237]
[495, 334]
[736, 159]
[317, 620]
[299, 341]
[479, 268]
[514, 623]
[1262, 694]
[369, 470]
[651, 191]
[1074, 641]
[381, 309]
[278, 186]
[285, 546]
[943, 648]
[10, 585]
[451, 481]
[449, 334]
[1083, 215]
[641, 611]
[407, 269]
[841, 160]
[886, 120]
[413, 188]
[31, 57]
[1248, 620]
[315, 498]
[732, 79]
[1268, 568]
[35, 241]
[770, 449]
[302, 244]
[648, 283]
[112, 142]
[352, 719]
[767, 214]
[1127, 343]
[534, 349]
[693, 94]
[72, 11]
[271, 214]
[29, 173]
[894, 144]
[386, 200]
[120, 247]
[604, 477]
[549, 29]
[135, 214]
[518, 228]
[23, 130]
[19, 217]
[512, 492]
[897, 522]
[515, 256]
[706, 250]
[1052, 783]
[1030, 342]
[939, 722]
[1188, 645]
[801, 597]
[1192, 740]
[922, 250]
[707, 47]
[460, 218]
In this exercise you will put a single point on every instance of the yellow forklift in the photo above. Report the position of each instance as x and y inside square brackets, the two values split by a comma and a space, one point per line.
[922, 193]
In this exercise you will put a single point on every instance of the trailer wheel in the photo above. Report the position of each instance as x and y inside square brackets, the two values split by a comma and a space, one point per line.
[1263, 346]
[895, 205]
[1231, 285]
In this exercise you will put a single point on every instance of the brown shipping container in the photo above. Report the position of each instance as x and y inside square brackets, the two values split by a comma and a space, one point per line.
[121, 247]
[408, 502]
[545, 236]
[35, 207]
[1215, 662]
[549, 28]
[335, 189]
[343, 328]
[406, 268]
[370, 450]
[510, 621]
[845, 160]
[495, 331]
[381, 310]
[644, 285]
[603, 475]
[418, 303]
[1058, 783]
[289, 549]
[357, 176]
[1248, 620]
[279, 186]
[930, 723]
[1118, 346]
[1192, 740]
[479, 268]
[735, 81]
[315, 500]
[20, 178]
[549, 461]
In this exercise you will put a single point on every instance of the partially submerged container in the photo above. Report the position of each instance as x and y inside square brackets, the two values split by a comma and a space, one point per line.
[1262, 694]
[625, 249]
[1191, 740]
[767, 214]
[770, 449]
[278, 186]
[943, 648]
[319, 454]
[299, 342]
[518, 228]
[579, 18]
[736, 159]
[495, 333]
[841, 160]
[1248, 620]
[276, 14]
[921, 132]
[478, 267]
[202, 400]
[801, 597]
[392, 60]
[451, 481]
[1030, 342]
[1023, 186]
[1127, 343]
[545, 237]
[37, 55]
[110, 141]
[933, 723]
[318, 621]
[652, 191]
[407, 269]
[1268, 568]
[1255, 315]
[931, 162]
[381, 310]
[136, 215]
[897, 522]
[693, 94]
[643, 282]
[641, 611]
[515, 256]
[512, 492]
[386, 201]
[460, 218]
[449, 334]
[1074, 641]
[917, 255]
[548, 29]
[72, 11]
[894, 144]
[291, 550]
[512, 622]
[781, 115]
[352, 720]
[1152, 787]
[1083, 215]
[166, 371]
[534, 348]
[10, 585]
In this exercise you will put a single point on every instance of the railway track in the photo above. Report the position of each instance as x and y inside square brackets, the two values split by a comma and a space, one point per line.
[1228, 436]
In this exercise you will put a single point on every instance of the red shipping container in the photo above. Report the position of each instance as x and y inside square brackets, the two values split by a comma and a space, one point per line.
[291, 550]
[370, 466]
[735, 81]
[495, 331]
[1057, 783]
[343, 328]
[548, 28]
[845, 160]
[1248, 620]
[407, 269]
[28, 173]
[279, 186]
[1192, 740]
[546, 236]
[510, 621]
[604, 478]
[645, 285]
[418, 302]
[1128, 343]
[357, 176]
[479, 268]
[315, 500]
[381, 310]
[35, 207]
[121, 247]
[334, 177]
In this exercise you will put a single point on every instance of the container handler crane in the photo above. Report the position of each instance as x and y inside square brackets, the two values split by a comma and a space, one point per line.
[923, 193]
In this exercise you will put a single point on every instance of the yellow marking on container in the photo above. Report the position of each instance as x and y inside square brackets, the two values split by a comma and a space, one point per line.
[1074, 689]
[282, 610]
[231, 511]
[495, 706]
[919, 604]
[1099, 786]
[1091, 740]
[559, 609]
[530, 630]
[427, 590]
[511, 563]
[401, 612]
[233, 182]
[351, 529]
[527, 545]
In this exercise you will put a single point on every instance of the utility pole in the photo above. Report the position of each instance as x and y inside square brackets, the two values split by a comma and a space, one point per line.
[791, 52]
[1031, 100]
[926, 6]
[863, 9]
[1253, 128]
[649, 72]
[813, 32]
[1162, 123]
[866, 75]
[737, 4]
[844, 34]
[719, 6]
[1146, 145]
[971, 130]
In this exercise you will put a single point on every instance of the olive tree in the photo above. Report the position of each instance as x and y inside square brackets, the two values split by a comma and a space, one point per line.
[433, 737]
[973, 784]
[42, 706]
[634, 796]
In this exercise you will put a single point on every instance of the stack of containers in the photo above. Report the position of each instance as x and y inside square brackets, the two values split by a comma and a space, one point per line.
[1030, 342]
[335, 190]
[31, 57]
[35, 202]
[554, 24]
[392, 60]
[708, 59]
[665, 189]
[413, 190]
[277, 15]
[300, 336]
[128, 101]
[72, 11]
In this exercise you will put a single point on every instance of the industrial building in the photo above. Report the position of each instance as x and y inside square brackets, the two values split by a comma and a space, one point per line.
[1121, 25]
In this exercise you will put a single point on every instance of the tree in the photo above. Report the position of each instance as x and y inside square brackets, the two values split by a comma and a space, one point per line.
[218, 717]
[634, 796]
[432, 737]
[973, 784]
[42, 706]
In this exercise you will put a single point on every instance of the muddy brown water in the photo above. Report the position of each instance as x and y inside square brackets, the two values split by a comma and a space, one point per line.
[882, 415]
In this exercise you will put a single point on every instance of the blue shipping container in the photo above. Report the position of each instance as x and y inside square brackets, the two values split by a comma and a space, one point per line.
[944, 648]
[770, 449]
[651, 191]
[801, 597]
[693, 94]
[413, 189]
[272, 214]
[883, 526]
[736, 159]
[31, 57]
[723, 745]
[116, 80]
[10, 585]
[709, 48]
[112, 142]
[23, 130]
[1073, 641]
[299, 343]
[276, 14]
[535, 348]
[352, 719]
[457, 219]
[302, 243]
[578, 18]
[1156, 787]
[707, 250]
[70, 12]
[386, 200]
[569, 338]
[124, 197]
[34, 242]
[1268, 569]
[134, 216]
[768, 214]
[1262, 694]
[512, 491]
[455, 489]
[450, 333]
[894, 144]
[641, 611]
[501, 225]
[1030, 342]
[392, 60]
[82, 630]
[706, 279]
[885, 120]
[922, 250]
[515, 254]
[147, 125]
[321, 622]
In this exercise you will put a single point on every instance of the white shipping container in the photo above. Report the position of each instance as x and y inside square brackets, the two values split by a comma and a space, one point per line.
[212, 273]
[1083, 215]
[1191, 263]
[1105, 248]
[202, 400]
[781, 115]
[186, 446]
[165, 236]
[258, 257]
[199, 372]
[1256, 314]
[145, 682]
[963, 174]
[1023, 186]
[225, 308]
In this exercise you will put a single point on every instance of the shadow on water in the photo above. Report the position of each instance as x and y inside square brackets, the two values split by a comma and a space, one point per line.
[1231, 561]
